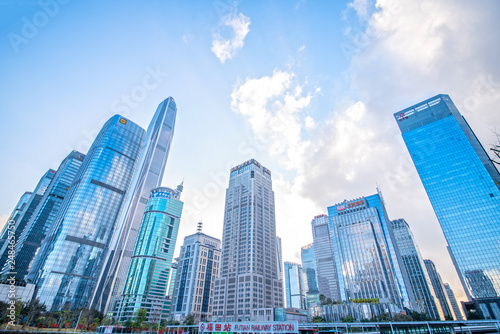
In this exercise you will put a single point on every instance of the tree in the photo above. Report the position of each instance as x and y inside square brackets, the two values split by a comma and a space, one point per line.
[140, 316]
[347, 318]
[317, 319]
[189, 320]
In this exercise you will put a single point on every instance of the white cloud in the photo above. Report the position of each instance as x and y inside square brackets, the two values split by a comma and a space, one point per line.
[187, 38]
[361, 8]
[301, 49]
[225, 48]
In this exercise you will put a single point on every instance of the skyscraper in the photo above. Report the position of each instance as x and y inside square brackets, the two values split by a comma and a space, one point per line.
[368, 261]
[421, 285]
[249, 274]
[77, 242]
[296, 285]
[147, 176]
[309, 267]
[24, 216]
[453, 302]
[147, 280]
[463, 187]
[326, 268]
[437, 284]
[41, 220]
[14, 216]
[198, 267]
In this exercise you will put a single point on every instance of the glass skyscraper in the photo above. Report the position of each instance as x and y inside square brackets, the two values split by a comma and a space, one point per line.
[368, 261]
[463, 187]
[453, 302]
[437, 284]
[15, 215]
[296, 285]
[198, 266]
[309, 267]
[420, 282]
[147, 176]
[42, 218]
[24, 217]
[150, 268]
[249, 275]
[326, 268]
[79, 237]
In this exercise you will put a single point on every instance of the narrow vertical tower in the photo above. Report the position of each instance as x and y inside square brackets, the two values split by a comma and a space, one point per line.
[438, 287]
[78, 239]
[425, 297]
[249, 276]
[147, 176]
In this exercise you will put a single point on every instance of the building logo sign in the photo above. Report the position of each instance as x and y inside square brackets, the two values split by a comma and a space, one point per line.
[160, 194]
[404, 115]
[350, 205]
[123, 121]
[246, 327]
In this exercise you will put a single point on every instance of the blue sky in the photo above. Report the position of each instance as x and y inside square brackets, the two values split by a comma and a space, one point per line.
[308, 88]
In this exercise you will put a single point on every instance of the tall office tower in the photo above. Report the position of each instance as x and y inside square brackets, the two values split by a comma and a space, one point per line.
[24, 217]
[326, 269]
[14, 216]
[366, 254]
[453, 302]
[420, 282]
[279, 255]
[437, 284]
[148, 275]
[309, 267]
[249, 259]
[147, 176]
[463, 186]
[42, 218]
[296, 285]
[80, 234]
[198, 268]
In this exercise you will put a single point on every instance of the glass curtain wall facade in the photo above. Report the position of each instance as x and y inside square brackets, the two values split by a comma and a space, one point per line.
[14, 216]
[326, 268]
[148, 275]
[78, 240]
[147, 176]
[296, 286]
[42, 218]
[420, 282]
[198, 267]
[453, 302]
[438, 287]
[24, 217]
[249, 274]
[463, 187]
[367, 257]
[309, 267]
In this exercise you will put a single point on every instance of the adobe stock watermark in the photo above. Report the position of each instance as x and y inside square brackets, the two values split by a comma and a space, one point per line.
[484, 88]
[31, 25]
[125, 103]
[11, 240]
[361, 40]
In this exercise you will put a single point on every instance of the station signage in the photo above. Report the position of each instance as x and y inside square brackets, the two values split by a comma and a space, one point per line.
[246, 327]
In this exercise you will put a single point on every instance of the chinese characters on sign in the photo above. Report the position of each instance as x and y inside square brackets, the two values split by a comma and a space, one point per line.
[245, 327]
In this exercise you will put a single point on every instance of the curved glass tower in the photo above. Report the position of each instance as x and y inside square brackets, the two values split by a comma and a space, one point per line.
[147, 176]
[78, 240]
[148, 275]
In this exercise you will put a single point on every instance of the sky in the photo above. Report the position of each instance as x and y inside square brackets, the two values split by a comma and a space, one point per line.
[308, 88]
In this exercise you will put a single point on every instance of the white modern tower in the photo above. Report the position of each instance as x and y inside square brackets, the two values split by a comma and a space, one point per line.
[147, 176]
[249, 275]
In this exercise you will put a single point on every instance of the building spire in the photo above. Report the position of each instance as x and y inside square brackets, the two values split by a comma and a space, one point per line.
[200, 227]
